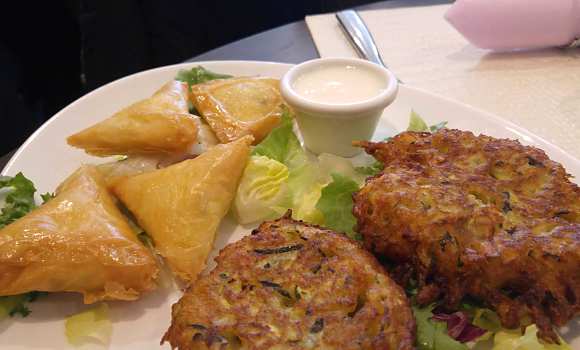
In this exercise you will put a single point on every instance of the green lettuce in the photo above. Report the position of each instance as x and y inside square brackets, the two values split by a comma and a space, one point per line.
[89, 325]
[438, 126]
[486, 319]
[336, 203]
[263, 191]
[19, 198]
[17, 304]
[198, 75]
[46, 197]
[416, 123]
[515, 340]
[339, 179]
[305, 189]
[372, 169]
[279, 176]
[283, 145]
[432, 335]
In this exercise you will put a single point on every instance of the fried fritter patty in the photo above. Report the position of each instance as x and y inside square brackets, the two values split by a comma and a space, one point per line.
[477, 216]
[290, 285]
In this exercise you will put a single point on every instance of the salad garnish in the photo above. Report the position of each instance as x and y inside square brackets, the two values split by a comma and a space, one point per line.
[265, 192]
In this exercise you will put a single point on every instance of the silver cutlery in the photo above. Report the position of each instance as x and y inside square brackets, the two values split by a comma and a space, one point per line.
[359, 36]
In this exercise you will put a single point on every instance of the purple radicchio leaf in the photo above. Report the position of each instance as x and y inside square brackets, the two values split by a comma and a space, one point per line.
[459, 327]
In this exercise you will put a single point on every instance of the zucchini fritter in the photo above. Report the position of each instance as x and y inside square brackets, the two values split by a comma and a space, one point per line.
[477, 216]
[293, 286]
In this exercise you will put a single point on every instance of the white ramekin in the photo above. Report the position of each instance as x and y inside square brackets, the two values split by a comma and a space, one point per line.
[331, 128]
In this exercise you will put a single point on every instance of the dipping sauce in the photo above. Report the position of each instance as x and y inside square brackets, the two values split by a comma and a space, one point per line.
[337, 101]
[339, 84]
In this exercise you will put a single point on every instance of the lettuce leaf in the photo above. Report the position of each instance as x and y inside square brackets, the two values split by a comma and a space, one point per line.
[305, 189]
[263, 190]
[515, 340]
[438, 126]
[19, 198]
[17, 304]
[486, 319]
[47, 196]
[432, 335]
[416, 123]
[318, 192]
[503, 339]
[372, 169]
[279, 176]
[198, 75]
[282, 144]
[336, 203]
[89, 326]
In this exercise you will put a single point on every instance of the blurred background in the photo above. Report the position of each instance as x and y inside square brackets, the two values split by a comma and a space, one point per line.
[52, 52]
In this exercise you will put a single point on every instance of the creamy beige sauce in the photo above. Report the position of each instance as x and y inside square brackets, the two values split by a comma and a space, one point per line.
[339, 84]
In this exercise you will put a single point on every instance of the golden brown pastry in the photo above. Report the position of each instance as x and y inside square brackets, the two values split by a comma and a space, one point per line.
[140, 164]
[240, 106]
[181, 206]
[160, 124]
[76, 242]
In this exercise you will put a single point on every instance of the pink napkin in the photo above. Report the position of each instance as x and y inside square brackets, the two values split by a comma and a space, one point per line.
[516, 24]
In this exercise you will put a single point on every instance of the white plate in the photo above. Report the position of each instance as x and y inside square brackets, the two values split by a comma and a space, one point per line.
[46, 159]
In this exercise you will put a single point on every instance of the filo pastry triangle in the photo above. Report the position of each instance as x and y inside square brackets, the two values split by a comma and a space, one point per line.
[181, 206]
[76, 242]
[159, 124]
[239, 106]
